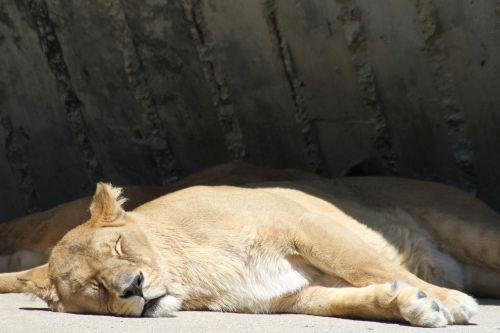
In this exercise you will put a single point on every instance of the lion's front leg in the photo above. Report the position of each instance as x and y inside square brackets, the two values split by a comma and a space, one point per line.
[336, 250]
[395, 301]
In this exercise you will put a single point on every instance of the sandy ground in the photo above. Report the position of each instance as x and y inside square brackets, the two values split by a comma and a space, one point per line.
[19, 313]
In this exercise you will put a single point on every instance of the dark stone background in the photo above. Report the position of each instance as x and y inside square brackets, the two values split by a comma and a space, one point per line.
[147, 91]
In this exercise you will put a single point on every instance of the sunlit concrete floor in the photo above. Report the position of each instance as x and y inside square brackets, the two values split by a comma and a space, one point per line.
[20, 313]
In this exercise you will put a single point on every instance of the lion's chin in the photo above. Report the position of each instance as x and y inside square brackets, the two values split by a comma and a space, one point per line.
[163, 306]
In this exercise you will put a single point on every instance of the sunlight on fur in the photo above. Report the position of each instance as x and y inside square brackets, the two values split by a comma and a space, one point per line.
[372, 248]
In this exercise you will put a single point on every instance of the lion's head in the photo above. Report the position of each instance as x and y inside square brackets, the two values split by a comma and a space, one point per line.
[104, 266]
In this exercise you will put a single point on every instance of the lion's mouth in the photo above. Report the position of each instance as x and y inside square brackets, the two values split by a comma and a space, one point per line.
[150, 304]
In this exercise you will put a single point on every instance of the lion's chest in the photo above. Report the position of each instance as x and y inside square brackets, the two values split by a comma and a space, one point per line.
[250, 283]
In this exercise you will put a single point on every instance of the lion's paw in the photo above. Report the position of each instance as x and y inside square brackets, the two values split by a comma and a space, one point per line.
[462, 307]
[417, 308]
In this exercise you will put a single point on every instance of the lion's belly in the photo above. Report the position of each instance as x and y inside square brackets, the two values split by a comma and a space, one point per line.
[259, 281]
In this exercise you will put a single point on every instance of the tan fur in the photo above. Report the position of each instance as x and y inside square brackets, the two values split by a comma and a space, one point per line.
[27, 241]
[373, 247]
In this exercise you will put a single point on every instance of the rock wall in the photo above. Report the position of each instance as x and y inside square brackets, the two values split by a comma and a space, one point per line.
[147, 91]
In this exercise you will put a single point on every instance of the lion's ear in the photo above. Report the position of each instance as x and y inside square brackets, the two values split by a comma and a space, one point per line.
[107, 203]
[35, 281]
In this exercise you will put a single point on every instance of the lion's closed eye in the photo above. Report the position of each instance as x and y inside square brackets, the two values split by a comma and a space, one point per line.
[118, 246]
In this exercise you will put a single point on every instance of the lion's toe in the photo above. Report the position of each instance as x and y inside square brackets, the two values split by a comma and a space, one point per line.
[462, 306]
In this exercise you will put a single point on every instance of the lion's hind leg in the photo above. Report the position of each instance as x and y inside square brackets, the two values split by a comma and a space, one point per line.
[396, 301]
[334, 249]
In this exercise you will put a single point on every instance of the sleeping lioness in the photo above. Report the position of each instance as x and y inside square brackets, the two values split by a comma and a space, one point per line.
[373, 248]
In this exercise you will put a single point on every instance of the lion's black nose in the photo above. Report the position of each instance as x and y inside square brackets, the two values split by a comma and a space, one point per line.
[135, 288]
